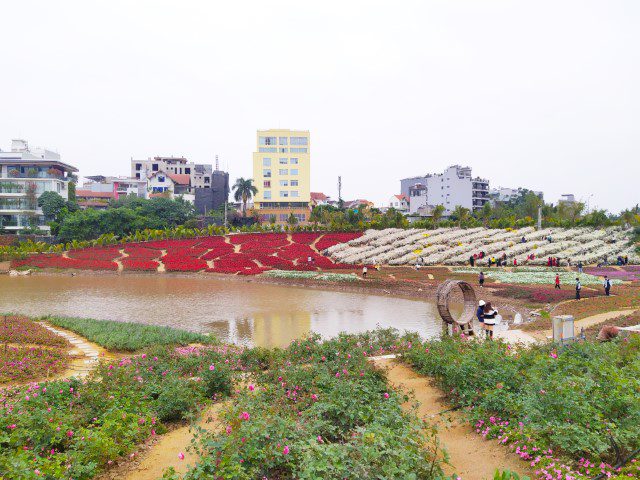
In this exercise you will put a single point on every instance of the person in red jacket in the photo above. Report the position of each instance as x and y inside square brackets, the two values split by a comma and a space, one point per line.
[557, 282]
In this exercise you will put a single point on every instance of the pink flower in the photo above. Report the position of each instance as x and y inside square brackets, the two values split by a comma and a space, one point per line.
[251, 388]
[386, 395]
[320, 439]
[245, 415]
[229, 429]
[69, 433]
[285, 450]
[181, 456]
[314, 396]
[212, 367]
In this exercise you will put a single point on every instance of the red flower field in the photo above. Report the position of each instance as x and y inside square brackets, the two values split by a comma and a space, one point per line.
[242, 254]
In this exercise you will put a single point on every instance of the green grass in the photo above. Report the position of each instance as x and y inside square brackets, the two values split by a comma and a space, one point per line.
[127, 336]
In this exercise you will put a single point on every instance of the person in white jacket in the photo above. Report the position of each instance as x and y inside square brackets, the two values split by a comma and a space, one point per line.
[489, 316]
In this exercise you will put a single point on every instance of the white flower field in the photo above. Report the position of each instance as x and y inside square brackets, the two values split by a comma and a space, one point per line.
[454, 246]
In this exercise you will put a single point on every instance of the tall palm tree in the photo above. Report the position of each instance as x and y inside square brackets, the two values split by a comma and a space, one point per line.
[438, 211]
[244, 190]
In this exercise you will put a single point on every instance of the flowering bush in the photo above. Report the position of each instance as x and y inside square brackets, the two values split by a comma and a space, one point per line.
[19, 364]
[20, 329]
[556, 406]
[72, 429]
[142, 253]
[320, 411]
[95, 253]
[47, 260]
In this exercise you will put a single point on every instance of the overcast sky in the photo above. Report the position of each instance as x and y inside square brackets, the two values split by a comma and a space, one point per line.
[540, 94]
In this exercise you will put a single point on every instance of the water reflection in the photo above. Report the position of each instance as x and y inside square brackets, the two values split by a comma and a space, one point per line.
[236, 311]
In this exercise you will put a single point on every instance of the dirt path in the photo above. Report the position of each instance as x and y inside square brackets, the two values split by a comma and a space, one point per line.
[471, 456]
[162, 454]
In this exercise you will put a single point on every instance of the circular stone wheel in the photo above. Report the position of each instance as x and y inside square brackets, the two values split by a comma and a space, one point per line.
[470, 303]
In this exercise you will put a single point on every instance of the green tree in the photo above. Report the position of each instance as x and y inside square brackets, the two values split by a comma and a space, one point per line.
[438, 212]
[460, 214]
[244, 191]
[292, 220]
[51, 204]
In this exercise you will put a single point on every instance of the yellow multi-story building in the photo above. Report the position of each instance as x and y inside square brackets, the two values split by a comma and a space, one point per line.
[282, 174]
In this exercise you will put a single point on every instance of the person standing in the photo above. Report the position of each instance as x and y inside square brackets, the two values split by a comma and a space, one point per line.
[580, 266]
[578, 288]
[607, 285]
[480, 314]
[472, 260]
[557, 287]
[364, 271]
[481, 279]
[489, 316]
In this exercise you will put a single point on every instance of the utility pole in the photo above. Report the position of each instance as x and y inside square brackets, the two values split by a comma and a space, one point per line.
[339, 188]
[539, 217]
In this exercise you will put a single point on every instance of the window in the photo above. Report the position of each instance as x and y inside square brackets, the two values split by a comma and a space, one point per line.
[299, 141]
[294, 193]
[293, 161]
[284, 183]
[284, 171]
[283, 161]
[283, 141]
[266, 173]
[266, 194]
[266, 184]
[138, 166]
[160, 178]
[266, 162]
[137, 175]
[298, 150]
[283, 150]
[206, 179]
[187, 170]
[284, 193]
[267, 149]
[294, 171]
[294, 183]
[154, 167]
[267, 141]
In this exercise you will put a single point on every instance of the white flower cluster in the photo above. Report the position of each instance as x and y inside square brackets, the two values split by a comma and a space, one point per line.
[455, 246]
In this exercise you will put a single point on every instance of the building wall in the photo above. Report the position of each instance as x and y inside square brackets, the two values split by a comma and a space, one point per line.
[279, 153]
[215, 196]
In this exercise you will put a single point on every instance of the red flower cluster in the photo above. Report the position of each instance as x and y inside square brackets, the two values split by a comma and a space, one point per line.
[244, 254]
[96, 253]
[48, 260]
[140, 264]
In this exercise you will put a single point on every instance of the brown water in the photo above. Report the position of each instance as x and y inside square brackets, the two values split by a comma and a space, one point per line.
[236, 311]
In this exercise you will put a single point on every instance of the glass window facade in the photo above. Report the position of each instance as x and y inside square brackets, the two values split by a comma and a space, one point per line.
[266, 162]
[267, 141]
[299, 141]
[283, 161]
[294, 171]
[284, 183]
[266, 173]
[294, 183]
[284, 171]
[298, 150]
[266, 194]
[294, 193]
[284, 193]
[283, 141]
[293, 161]
[267, 149]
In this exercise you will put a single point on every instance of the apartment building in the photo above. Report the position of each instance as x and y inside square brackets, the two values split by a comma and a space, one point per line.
[25, 174]
[281, 172]
[118, 186]
[455, 187]
[505, 194]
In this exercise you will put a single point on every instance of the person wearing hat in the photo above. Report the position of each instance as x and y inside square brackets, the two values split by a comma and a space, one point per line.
[480, 313]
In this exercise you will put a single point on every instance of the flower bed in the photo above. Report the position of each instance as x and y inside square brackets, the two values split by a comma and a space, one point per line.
[139, 265]
[73, 429]
[536, 294]
[21, 329]
[614, 273]
[175, 263]
[320, 411]
[556, 408]
[142, 253]
[19, 364]
[47, 260]
[95, 254]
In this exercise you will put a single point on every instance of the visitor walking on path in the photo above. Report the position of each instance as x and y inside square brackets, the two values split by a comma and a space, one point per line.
[472, 260]
[578, 288]
[481, 279]
[364, 271]
[557, 282]
[580, 266]
[607, 285]
[489, 316]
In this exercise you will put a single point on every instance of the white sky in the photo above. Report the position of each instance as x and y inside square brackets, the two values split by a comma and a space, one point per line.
[542, 93]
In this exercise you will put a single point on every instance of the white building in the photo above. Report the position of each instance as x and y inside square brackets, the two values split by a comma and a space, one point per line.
[25, 174]
[174, 176]
[119, 186]
[455, 187]
[399, 202]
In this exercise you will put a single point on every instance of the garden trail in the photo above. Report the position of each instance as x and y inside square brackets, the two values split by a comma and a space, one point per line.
[163, 453]
[85, 354]
[471, 456]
